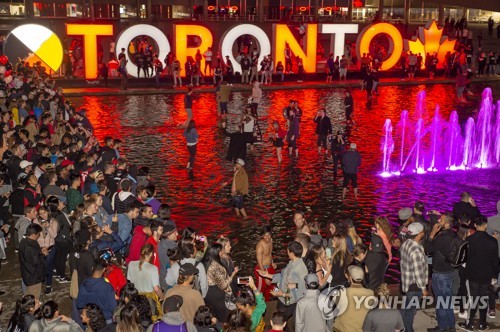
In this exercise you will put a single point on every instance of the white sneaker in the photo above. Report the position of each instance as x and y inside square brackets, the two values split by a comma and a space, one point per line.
[492, 313]
[463, 315]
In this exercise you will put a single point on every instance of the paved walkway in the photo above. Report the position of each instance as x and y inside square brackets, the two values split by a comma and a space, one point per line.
[10, 282]
[165, 89]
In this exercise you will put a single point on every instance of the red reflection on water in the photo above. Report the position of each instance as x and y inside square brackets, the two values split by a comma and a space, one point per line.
[148, 125]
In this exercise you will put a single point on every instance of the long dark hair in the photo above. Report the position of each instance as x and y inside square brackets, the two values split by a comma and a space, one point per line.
[236, 321]
[97, 320]
[23, 307]
[49, 309]
[53, 206]
[212, 255]
[203, 317]
[128, 292]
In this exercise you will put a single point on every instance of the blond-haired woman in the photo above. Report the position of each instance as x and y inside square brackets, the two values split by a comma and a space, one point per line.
[341, 259]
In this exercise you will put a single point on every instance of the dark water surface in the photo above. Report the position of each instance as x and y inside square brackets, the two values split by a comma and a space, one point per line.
[148, 125]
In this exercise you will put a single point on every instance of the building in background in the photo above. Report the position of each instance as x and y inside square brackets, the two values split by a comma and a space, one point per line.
[255, 10]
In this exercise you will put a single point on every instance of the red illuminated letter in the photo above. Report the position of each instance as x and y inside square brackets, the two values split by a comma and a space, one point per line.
[90, 33]
[182, 51]
[283, 36]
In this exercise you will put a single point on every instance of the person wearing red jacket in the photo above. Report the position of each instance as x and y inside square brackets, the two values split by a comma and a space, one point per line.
[156, 228]
[139, 239]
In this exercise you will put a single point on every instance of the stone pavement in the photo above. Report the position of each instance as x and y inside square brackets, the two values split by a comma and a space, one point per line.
[114, 90]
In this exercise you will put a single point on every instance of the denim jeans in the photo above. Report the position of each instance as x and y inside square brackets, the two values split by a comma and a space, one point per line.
[410, 308]
[49, 266]
[442, 286]
[192, 154]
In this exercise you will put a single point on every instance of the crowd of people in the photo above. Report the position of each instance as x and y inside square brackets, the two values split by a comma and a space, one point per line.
[77, 213]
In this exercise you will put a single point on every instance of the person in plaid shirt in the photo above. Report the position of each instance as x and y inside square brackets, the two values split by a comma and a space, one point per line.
[414, 273]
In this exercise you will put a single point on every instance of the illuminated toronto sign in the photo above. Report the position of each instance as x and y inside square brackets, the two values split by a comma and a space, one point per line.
[43, 43]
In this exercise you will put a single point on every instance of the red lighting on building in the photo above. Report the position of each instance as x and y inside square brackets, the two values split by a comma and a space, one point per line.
[234, 8]
[357, 3]
[302, 9]
[211, 8]
[328, 9]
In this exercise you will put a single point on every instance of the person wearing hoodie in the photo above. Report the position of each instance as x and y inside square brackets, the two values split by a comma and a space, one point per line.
[167, 241]
[172, 319]
[53, 321]
[96, 290]
[140, 233]
[308, 316]
[123, 199]
[23, 222]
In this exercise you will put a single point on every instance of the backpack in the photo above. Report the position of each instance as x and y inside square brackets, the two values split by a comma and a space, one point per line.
[459, 252]
[161, 326]
[196, 280]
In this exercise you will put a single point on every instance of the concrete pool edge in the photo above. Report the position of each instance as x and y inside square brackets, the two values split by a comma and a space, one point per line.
[116, 91]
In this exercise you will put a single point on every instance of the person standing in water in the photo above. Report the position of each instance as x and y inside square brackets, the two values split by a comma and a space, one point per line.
[349, 107]
[278, 139]
[293, 133]
[351, 161]
[188, 106]
[191, 136]
[239, 187]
